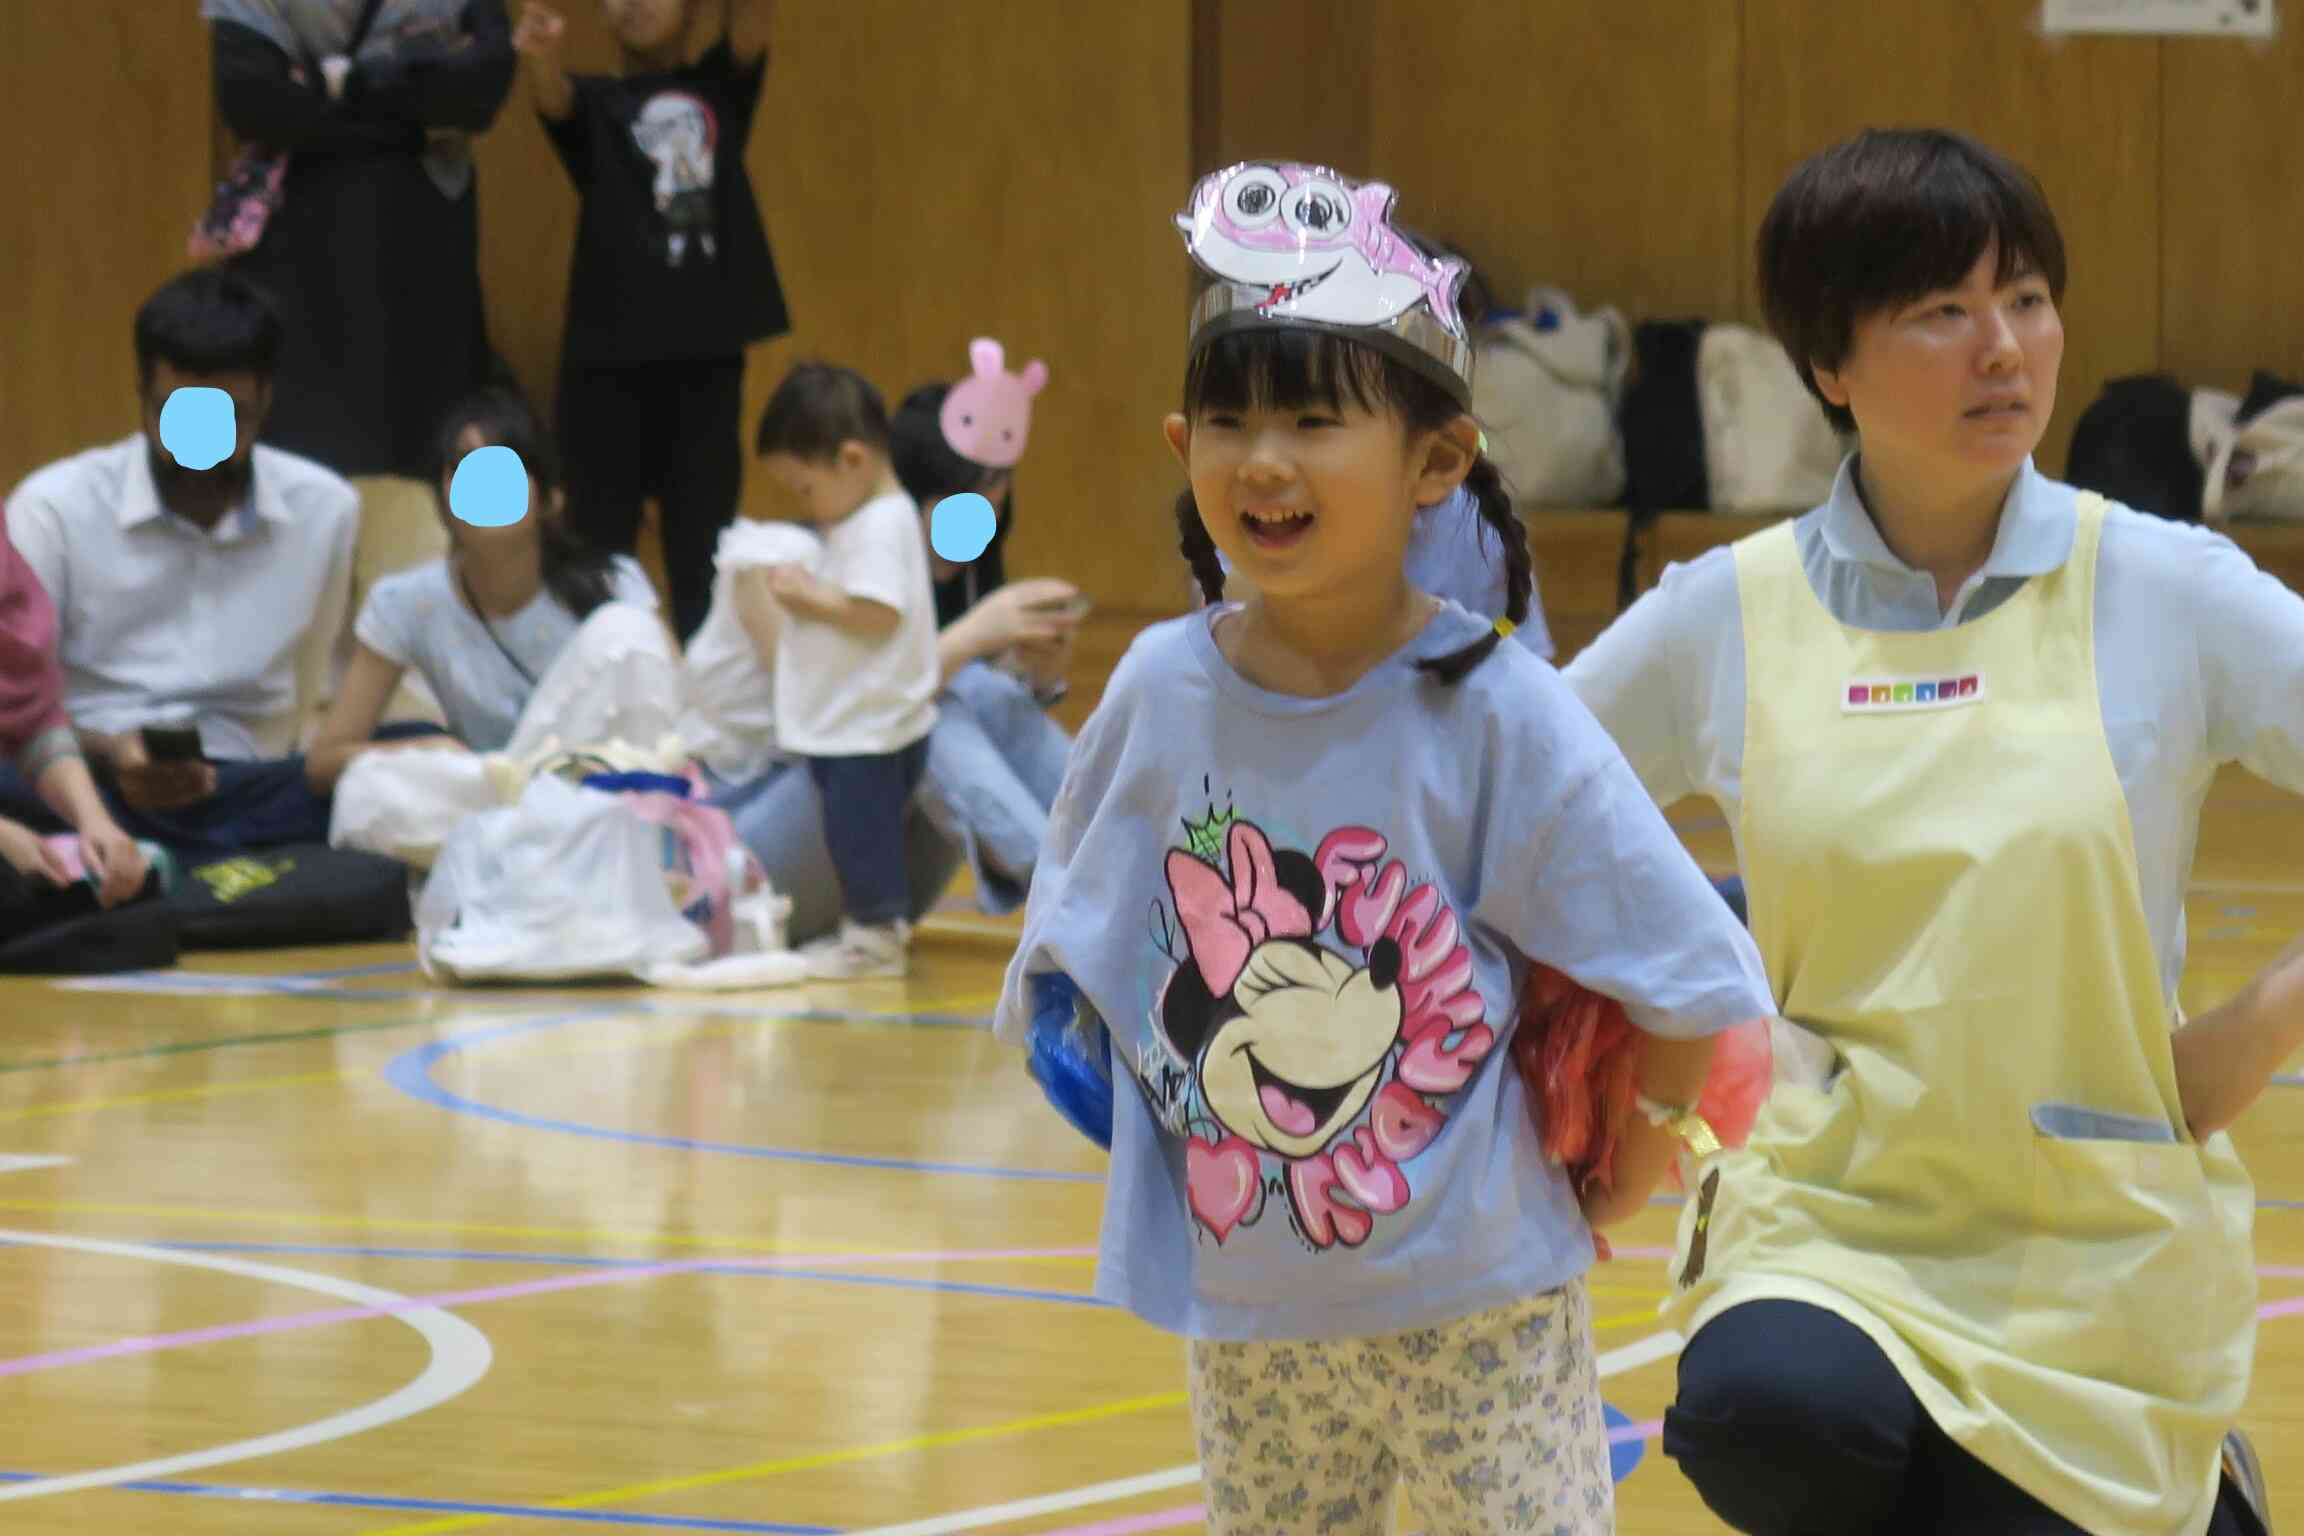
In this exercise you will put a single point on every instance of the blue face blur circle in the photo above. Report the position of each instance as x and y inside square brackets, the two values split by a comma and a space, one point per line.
[198, 427]
[961, 527]
[490, 488]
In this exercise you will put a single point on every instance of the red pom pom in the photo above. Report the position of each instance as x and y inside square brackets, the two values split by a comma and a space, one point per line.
[1579, 1056]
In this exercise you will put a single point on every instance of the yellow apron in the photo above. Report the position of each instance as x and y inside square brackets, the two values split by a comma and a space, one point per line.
[1943, 884]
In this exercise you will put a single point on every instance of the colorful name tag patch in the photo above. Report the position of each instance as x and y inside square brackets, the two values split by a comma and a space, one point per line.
[1889, 695]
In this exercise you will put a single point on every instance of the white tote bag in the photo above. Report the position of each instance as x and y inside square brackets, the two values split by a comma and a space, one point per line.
[2256, 470]
[1545, 388]
[1767, 445]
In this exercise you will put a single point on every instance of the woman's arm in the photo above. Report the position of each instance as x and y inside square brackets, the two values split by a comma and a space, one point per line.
[966, 639]
[1636, 680]
[538, 41]
[749, 24]
[2226, 1057]
[264, 100]
[2248, 626]
[1001, 618]
[352, 718]
[109, 853]
[69, 789]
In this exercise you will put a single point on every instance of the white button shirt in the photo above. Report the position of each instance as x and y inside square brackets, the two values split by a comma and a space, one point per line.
[2199, 662]
[159, 619]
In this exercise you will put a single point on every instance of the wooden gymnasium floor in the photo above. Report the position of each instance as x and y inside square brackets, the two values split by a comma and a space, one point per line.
[297, 1245]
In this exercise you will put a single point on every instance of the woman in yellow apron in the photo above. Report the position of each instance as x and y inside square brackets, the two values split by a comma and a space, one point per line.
[1989, 1269]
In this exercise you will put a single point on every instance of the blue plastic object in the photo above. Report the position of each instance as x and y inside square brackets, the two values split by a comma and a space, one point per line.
[638, 782]
[1071, 1056]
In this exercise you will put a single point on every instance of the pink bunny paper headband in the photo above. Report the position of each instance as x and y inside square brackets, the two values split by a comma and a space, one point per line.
[988, 415]
[1295, 245]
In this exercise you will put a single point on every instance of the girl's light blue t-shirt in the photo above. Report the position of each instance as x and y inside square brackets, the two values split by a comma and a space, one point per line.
[1306, 923]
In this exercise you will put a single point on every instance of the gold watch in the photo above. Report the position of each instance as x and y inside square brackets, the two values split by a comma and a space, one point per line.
[1683, 1122]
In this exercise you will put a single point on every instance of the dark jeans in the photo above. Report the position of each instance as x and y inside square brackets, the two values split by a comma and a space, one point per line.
[1791, 1422]
[262, 804]
[864, 802]
[673, 431]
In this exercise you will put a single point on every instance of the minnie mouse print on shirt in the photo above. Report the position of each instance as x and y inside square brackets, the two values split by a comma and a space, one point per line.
[1309, 1040]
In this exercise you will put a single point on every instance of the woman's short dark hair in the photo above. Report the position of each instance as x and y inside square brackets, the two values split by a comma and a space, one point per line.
[208, 321]
[1885, 218]
[818, 407]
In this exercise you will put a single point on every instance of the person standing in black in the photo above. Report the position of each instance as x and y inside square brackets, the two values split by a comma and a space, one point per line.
[672, 277]
[373, 253]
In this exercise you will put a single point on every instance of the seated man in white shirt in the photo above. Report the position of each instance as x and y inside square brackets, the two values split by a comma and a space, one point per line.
[183, 596]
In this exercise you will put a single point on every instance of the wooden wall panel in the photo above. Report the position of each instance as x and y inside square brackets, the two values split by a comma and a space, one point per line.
[110, 166]
[931, 174]
[1589, 144]
[2232, 209]
[2082, 113]
[1290, 80]
[938, 173]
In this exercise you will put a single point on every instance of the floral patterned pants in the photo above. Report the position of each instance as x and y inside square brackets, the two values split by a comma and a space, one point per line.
[1492, 1423]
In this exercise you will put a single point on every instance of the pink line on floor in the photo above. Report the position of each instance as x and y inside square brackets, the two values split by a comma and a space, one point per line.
[1129, 1525]
[154, 1343]
[1648, 1431]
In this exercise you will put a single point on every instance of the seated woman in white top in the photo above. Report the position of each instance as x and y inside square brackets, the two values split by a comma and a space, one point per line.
[522, 633]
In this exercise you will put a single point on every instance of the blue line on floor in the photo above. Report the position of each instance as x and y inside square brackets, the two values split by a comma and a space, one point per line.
[395, 968]
[251, 1495]
[411, 1073]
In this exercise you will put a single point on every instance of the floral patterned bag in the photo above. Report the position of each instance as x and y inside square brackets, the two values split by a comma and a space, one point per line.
[245, 201]
[251, 191]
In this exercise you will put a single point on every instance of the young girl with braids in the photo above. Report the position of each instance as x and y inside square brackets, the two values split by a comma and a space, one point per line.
[1305, 853]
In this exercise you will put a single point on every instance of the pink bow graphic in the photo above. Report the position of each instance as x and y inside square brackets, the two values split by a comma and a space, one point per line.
[1225, 922]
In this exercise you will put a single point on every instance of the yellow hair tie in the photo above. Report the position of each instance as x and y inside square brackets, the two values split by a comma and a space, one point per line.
[1505, 627]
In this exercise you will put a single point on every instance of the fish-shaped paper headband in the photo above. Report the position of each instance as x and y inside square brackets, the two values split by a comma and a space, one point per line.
[1303, 245]
[988, 415]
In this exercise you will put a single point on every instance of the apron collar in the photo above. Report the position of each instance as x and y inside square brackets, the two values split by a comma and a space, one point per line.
[2038, 521]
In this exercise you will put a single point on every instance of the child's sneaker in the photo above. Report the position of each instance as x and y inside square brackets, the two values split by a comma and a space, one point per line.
[860, 952]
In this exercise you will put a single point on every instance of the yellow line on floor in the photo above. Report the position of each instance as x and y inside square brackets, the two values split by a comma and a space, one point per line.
[321, 1220]
[170, 1095]
[1622, 1320]
[766, 1469]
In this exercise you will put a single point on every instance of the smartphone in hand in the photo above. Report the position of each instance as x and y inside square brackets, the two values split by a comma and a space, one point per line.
[171, 743]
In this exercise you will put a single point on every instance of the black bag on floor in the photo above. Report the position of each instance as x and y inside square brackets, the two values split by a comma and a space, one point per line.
[1662, 421]
[2134, 444]
[304, 893]
[48, 930]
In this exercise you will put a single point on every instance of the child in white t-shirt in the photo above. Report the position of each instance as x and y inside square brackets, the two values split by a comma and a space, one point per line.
[851, 645]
